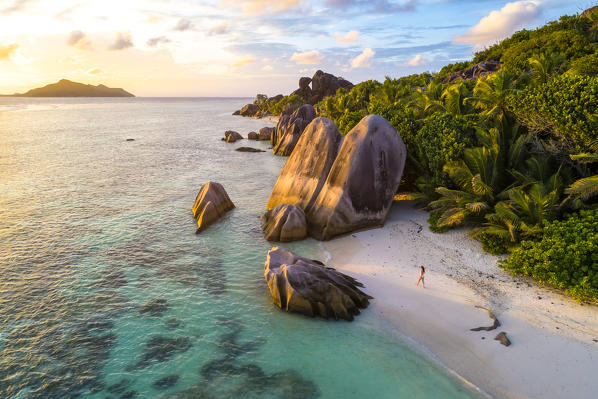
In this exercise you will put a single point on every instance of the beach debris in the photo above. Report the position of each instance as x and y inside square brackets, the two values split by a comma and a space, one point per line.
[130, 139]
[502, 338]
[494, 326]
[248, 149]
[211, 203]
[230, 136]
[253, 136]
[284, 223]
[308, 287]
[289, 129]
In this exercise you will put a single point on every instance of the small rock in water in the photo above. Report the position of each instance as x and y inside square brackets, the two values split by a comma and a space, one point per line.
[166, 382]
[173, 323]
[155, 308]
[128, 395]
[248, 149]
[130, 139]
[502, 338]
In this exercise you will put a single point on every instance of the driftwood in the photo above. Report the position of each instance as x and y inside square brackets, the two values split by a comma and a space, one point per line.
[493, 326]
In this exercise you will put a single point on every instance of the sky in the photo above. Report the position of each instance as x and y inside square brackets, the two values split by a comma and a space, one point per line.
[244, 47]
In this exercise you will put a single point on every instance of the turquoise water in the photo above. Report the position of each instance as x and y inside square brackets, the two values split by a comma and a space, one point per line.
[105, 290]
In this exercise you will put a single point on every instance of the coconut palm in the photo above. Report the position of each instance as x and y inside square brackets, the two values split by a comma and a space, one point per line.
[543, 66]
[587, 187]
[454, 99]
[490, 94]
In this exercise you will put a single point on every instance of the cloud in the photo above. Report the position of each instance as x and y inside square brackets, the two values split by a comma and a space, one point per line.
[7, 51]
[267, 68]
[499, 24]
[183, 25]
[155, 41]
[348, 38]
[363, 59]
[123, 41]
[308, 58]
[16, 6]
[374, 6]
[243, 62]
[95, 72]
[219, 29]
[418, 60]
[263, 6]
[79, 40]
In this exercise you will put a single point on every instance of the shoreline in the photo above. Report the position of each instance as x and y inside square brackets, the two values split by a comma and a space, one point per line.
[553, 352]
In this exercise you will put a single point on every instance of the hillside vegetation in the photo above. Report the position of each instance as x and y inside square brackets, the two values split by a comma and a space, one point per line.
[513, 155]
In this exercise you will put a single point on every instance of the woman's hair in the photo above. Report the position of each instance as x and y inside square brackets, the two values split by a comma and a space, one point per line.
[423, 269]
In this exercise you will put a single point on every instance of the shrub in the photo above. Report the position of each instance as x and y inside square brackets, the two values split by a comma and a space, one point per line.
[564, 256]
[442, 139]
[277, 108]
[561, 107]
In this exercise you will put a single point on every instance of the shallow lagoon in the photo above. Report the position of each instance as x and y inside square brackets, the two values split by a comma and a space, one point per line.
[105, 290]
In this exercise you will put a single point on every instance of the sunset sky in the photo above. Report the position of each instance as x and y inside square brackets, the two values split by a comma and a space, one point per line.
[242, 47]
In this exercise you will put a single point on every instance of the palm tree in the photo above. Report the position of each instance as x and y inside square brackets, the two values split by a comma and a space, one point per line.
[490, 94]
[425, 101]
[587, 187]
[454, 98]
[479, 178]
[543, 66]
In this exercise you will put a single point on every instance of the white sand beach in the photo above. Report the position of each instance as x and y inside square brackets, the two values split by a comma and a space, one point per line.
[554, 350]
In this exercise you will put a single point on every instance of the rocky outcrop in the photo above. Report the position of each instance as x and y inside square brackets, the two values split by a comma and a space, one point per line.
[253, 136]
[308, 287]
[477, 71]
[248, 149]
[322, 85]
[265, 133]
[289, 129]
[211, 203]
[362, 182]
[306, 170]
[230, 136]
[249, 110]
[284, 223]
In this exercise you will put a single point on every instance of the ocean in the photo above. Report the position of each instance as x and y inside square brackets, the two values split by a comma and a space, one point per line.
[107, 292]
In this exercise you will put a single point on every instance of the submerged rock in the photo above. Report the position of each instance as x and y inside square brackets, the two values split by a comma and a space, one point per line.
[284, 223]
[306, 170]
[161, 349]
[155, 308]
[166, 382]
[308, 287]
[289, 129]
[362, 182]
[211, 203]
[230, 136]
[248, 149]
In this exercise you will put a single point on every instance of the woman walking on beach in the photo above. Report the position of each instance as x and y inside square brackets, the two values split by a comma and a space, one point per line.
[422, 271]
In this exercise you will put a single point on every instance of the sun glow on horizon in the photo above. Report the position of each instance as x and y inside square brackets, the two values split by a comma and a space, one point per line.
[225, 47]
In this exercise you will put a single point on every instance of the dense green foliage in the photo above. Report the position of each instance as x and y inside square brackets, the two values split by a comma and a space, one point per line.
[565, 255]
[507, 154]
[560, 107]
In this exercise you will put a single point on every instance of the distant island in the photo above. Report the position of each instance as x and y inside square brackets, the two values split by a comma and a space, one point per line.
[67, 88]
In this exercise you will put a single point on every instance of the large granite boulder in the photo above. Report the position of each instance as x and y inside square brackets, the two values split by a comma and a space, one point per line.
[265, 133]
[325, 84]
[253, 136]
[284, 223]
[305, 172]
[289, 129]
[249, 110]
[362, 182]
[479, 70]
[211, 203]
[304, 82]
[230, 136]
[308, 287]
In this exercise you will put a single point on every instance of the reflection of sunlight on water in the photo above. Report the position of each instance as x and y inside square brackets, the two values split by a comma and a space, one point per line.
[105, 290]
